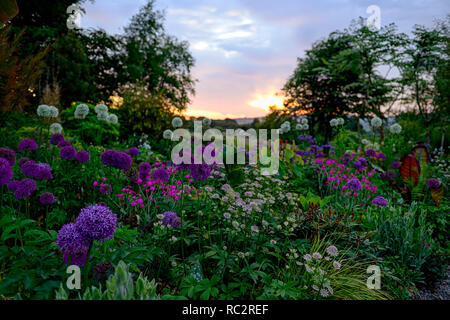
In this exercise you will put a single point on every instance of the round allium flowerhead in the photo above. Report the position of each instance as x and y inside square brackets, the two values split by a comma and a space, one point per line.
[39, 171]
[334, 122]
[6, 172]
[299, 126]
[56, 128]
[168, 134]
[433, 183]
[116, 159]
[305, 127]
[53, 112]
[67, 153]
[340, 121]
[112, 118]
[43, 111]
[81, 111]
[332, 251]
[371, 153]
[72, 244]
[22, 188]
[354, 184]
[177, 122]
[56, 139]
[96, 223]
[200, 172]
[160, 174]
[133, 151]
[103, 116]
[395, 165]
[22, 161]
[47, 198]
[144, 170]
[206, 122]
[9, 155]
[27, 144]
[101, 108]
[64, 143]
[395, 128]
[170, 218]
[364, 141]
[379, 201]
[376, 122]
[304, 121]
[82, 156]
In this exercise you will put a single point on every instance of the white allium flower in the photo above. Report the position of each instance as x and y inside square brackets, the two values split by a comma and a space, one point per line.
[81, 111]
[112, 118]
[340, 121]
[53, 112]
[177, 122]
[101, 108]
[395, 128]
[168, 134]
[305, 127]
[55, 128]
[364, 141]
[304, 121]
[43, 110]
[334, 122]
[206, 122]
[299, 127]
[376, 122]
[102, 115]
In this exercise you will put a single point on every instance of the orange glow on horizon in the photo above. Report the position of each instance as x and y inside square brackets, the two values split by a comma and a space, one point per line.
[264, 101]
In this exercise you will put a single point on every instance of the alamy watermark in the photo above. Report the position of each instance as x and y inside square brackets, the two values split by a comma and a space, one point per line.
[74, 19]
[374, 281]
[374, 20]
[250, 147]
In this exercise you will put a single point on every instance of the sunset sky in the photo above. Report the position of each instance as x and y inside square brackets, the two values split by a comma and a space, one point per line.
[246, 49]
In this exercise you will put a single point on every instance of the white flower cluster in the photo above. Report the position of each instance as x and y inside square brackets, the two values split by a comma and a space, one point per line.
[81, 111]
[168, 134]
[337, 122]
[285, 127]
[177, 122]
[56, 128]
[376, 122]
[303, 125]
[395, 128]
[103, 115]
[47, 111]
[206, 122]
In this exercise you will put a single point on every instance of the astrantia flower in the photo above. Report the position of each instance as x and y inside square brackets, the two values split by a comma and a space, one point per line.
[112, 118]
[332, 251]
[96, 223]
[47, 198]
[324, 292]
[376, 122]
[53, 112]
[433, 183]
[168, 134]
[144, 170]
[395, 128]
[9, 155]
[317, 255]
[82, 156]
[133, 151]
[354, 184]
[171, 218]
[55, 128]
[22, 188]
[336, 265]
[101, 108]
[81, 111]
[227, 215]
[177, 122]
[43, 110]
[116, 159]
[56, 139]
[307, 257]
[254, 229]
[160, 174]
[379, 201]
[206, 122]
[27, 144]
[67, 153]
[102, 116]
[6, 172]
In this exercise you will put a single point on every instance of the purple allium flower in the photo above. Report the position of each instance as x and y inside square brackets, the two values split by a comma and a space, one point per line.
[171, 218]
[22, 188]
[433, 183]
[77, 258]
[72, 244]
[200, 172]
[39, 171]
[133, 151]
[379, 201]
[6, 172]
[389, 175]
[395, 165]
[67, 153]
[354, 184]
[96, 223]
[22, 161]
[64, 143]
[56, 138]
[27, 144]
[381, 156]
[144, 170]
[82, 156]
[9, 155]
[357, 164]
[363, 161]
[371, 153]
[47, 198]
[160, 174]
[116, 159]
